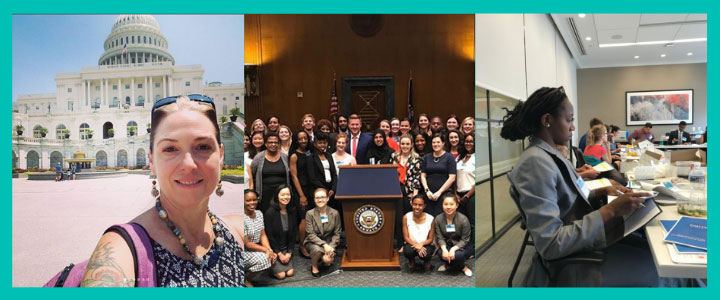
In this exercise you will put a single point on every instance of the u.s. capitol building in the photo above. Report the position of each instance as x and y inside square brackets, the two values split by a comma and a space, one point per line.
[103, 112]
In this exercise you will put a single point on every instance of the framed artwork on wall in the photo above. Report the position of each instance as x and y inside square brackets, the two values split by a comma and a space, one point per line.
[659, 107]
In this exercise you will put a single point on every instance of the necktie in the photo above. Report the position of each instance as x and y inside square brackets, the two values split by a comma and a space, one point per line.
[354, 146]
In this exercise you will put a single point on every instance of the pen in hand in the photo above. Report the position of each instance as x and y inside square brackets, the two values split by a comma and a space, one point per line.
[621, 193]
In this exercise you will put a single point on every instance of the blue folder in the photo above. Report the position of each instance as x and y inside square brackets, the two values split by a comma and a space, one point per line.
[668, 225]
[690, 232]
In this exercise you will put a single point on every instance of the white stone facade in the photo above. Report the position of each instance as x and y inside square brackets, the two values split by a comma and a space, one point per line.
[114, 94]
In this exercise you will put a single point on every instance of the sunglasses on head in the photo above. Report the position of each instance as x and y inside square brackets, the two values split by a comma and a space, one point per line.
[194, 97]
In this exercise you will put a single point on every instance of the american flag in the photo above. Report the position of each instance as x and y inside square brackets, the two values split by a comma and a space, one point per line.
[123, 52]
[334, 104]
[411, 109]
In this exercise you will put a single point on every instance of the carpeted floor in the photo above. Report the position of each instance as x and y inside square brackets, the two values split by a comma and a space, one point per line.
[333, 276]
[494, 266]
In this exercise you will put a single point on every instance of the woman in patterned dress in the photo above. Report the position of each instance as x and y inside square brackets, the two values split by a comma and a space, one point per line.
[409, 170]
[191, 246]
[259, 256]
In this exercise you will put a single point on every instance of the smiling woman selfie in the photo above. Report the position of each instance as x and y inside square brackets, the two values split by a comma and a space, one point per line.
[191, 246]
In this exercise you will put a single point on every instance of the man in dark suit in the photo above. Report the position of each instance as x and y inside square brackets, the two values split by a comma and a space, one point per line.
[342, 128]
[359, 142]
[680, 136]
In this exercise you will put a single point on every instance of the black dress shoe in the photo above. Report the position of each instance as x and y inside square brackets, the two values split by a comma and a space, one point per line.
[313, 273]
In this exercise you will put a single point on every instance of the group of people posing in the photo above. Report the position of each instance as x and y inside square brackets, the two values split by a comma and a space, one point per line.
[292, 181]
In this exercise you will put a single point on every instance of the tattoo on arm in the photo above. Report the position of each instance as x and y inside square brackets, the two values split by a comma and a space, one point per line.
[104, 271]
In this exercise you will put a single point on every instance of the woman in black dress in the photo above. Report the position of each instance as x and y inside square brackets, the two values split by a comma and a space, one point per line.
[321, 169]
[421, 140]
[438, 173]
[281, 231]
[302, 188]
[270, 170]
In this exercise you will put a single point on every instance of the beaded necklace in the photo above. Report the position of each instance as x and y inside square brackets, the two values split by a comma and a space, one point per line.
[197, 260]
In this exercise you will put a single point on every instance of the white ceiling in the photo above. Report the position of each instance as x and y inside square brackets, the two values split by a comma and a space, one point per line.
[633, 28]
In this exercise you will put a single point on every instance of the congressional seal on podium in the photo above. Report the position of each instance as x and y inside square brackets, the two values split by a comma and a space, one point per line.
[369, 219]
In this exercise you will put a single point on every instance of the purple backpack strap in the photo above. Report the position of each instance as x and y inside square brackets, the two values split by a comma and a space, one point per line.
[70, 276]
[143, 255]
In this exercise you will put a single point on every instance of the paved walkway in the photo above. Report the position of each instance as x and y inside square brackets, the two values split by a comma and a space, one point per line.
[57, 223]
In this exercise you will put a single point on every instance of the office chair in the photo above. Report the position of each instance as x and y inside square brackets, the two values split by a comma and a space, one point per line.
[552, 268]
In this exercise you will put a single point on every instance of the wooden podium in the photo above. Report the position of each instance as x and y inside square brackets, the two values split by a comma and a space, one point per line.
[368, 195]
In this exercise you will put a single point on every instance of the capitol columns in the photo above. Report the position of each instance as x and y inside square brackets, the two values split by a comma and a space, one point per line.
[164, 86]
[120, 98]
[84, 92]
[145, 88]
[104, 94]
[151, 90]
[132, 87]
[103, 90]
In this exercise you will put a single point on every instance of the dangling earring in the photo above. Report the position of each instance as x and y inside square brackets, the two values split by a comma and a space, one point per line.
[219, 191]
[154, 192]
[547, 125]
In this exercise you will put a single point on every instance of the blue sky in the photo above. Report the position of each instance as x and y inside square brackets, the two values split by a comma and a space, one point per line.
[44, 45]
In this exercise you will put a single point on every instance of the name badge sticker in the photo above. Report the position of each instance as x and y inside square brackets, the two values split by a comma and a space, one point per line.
[323, 219]
[583, 187]
[450, 227]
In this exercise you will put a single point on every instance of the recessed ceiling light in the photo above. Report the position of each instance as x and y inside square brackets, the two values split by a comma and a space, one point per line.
[690, 53]
[636, 56]
[662, 55]
[653, 43]
[581, 15]
[588, 39]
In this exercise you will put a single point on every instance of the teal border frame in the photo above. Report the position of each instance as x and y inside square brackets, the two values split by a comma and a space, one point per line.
[322, 7]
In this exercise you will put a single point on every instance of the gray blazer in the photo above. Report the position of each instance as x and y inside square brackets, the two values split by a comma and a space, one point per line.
[462, 235]
[561, 220]
[314, 229]
[257, 165]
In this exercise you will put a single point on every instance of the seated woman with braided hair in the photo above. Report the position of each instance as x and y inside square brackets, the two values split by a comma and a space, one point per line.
[563, 217]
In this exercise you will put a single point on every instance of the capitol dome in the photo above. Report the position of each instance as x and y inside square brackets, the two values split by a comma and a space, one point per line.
[141, 39]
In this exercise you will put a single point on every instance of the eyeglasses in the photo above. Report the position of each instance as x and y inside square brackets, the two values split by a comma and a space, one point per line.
[194, 97]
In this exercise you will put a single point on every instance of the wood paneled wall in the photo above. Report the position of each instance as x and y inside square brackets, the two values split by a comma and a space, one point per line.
[299, 53]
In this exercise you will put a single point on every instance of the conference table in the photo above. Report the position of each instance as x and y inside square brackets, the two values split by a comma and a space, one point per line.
[661, 255]
[656, 235]
[680, 147]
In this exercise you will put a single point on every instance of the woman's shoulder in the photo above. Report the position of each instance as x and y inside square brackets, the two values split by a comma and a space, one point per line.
[461, 218]
[256, 160]
[534, 162]
[112, 262]
[429, 217]
[311, 211]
